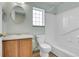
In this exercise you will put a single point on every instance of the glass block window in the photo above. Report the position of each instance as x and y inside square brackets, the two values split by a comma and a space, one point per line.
[38, 17]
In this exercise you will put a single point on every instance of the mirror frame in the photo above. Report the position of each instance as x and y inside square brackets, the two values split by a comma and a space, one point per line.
[13, 16]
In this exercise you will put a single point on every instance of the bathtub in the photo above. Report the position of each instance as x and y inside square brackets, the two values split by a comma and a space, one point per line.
[61, 52]
[64, 51]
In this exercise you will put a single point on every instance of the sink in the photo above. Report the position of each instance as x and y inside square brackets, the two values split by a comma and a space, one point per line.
[18, 36]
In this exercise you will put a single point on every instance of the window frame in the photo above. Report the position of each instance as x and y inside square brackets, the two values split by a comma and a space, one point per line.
[43, 17]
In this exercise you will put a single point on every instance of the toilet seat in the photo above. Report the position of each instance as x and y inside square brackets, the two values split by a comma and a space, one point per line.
[45, 47]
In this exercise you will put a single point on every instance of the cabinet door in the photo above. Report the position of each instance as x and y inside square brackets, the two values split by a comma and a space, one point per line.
[10, 48]
[25, 49]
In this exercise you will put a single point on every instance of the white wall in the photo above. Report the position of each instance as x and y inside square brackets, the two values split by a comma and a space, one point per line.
[50, 28]
[26, 27]
[0, 19]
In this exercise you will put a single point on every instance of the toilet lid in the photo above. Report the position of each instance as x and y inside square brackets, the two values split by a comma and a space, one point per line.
[45, 46]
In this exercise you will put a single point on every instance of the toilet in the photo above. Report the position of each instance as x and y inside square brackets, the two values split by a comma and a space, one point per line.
[44, 47]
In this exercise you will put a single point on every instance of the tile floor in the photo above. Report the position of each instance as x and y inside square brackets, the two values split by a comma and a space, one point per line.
[37, 54]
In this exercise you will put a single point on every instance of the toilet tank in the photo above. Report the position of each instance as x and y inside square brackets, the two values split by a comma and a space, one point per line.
[41, 39]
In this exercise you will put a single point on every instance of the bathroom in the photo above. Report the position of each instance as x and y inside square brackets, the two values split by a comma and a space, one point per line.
[55, 34]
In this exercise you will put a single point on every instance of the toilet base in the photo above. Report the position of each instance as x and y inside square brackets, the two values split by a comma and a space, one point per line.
[44, 54]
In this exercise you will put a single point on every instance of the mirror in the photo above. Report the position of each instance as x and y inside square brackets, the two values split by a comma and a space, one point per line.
[18, 14]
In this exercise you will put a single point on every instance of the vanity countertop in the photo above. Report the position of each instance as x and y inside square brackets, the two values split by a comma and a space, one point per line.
[13, 37]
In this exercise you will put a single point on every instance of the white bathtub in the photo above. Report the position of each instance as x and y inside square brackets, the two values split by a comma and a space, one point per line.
[64, 51]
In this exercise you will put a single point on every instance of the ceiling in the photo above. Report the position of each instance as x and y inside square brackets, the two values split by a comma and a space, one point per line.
[54, 7]
[47, 6]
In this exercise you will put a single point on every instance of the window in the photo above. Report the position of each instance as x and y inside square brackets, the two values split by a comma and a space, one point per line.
[38, 17]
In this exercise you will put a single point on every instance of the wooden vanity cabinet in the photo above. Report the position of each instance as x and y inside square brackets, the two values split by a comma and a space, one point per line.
[17, 48]
[9, 48]
[25, 48]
